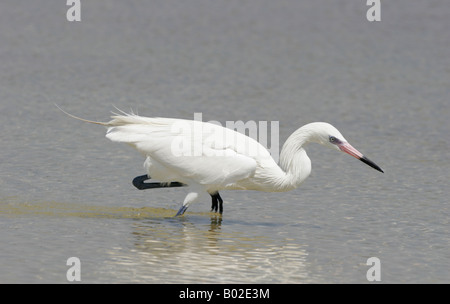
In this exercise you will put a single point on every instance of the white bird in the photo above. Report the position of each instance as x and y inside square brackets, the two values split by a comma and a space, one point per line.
[209, 158]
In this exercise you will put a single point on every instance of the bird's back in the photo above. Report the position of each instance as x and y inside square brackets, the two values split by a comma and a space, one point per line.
[191, 151]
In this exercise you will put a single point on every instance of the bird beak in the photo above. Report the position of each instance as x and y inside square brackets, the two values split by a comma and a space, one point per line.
[347, 148]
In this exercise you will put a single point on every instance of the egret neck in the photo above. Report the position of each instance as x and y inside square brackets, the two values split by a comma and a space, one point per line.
[293, 158]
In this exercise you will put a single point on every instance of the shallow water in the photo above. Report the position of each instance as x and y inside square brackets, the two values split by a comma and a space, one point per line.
[65, 190]
[145, 245]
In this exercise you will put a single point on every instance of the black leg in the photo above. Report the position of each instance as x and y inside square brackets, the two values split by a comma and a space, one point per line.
[220, 203]
[138, 182]
[213, 203]
[216, 203]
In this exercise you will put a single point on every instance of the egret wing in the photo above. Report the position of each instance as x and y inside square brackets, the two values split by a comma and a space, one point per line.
[205, 153]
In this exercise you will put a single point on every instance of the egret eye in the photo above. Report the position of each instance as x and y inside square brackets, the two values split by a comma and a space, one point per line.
[333, 139]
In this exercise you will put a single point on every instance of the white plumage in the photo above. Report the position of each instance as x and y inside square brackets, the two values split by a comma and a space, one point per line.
[209, 158]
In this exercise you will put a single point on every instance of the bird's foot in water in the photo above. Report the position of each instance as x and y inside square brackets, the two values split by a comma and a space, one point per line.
[181, 211]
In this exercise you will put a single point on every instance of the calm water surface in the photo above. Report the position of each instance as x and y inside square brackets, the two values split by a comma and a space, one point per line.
[65, 190]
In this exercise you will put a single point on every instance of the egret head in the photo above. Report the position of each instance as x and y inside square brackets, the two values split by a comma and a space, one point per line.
[327, 135]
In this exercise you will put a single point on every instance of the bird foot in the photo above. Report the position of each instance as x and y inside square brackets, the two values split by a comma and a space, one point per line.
[138, 181]
[181, 211]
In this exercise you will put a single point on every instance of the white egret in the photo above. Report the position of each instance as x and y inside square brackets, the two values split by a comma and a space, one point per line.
[209, 158]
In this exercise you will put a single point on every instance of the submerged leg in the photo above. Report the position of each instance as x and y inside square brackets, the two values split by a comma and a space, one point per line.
[220, 203]
[182, 210]
[213, 203]
[216, 203]
[138, 182]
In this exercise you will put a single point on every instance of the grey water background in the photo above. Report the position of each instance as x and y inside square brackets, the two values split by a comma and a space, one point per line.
[65, 190]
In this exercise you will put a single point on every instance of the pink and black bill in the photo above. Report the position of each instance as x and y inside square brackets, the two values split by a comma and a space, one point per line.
[347, 148]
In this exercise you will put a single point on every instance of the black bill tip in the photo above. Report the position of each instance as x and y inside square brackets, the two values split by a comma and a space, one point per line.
[371, 163]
